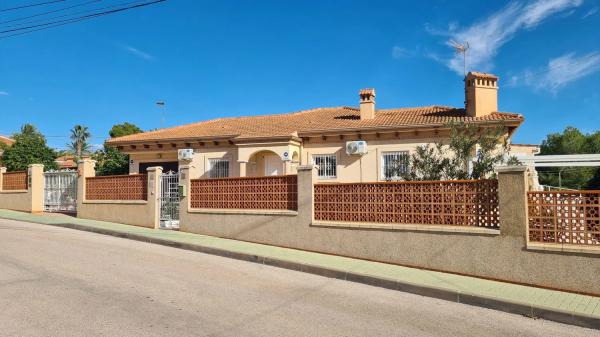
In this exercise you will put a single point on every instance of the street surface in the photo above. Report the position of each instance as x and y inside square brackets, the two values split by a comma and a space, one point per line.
[62, 282]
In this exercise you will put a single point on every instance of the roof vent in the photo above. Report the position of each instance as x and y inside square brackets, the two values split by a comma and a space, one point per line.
[367, 103]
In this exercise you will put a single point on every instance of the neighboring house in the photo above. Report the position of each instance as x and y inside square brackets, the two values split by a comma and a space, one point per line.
[524, 149]
[5, 141]
[67, 162]
[276, 144]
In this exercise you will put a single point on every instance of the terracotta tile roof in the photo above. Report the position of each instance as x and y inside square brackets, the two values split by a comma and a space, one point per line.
[316, 120]
[6, 140]
[482, 75]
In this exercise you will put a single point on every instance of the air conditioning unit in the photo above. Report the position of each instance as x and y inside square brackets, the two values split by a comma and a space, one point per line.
[356, 147]
[185, 154]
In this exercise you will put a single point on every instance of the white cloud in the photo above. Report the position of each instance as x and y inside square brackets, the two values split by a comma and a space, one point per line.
[400, 52]
[591, 12]
[3, 93]
[559, 72]
[487, 36]
[138, 53]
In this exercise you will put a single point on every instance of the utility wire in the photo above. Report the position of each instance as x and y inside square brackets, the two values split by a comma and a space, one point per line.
[50, 12]
[73, 13]
[49, 25]
[30, 5]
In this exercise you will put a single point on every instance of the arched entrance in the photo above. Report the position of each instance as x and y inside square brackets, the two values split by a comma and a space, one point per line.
[265, 163]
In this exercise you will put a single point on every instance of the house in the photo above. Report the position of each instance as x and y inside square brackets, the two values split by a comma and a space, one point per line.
[67, 162]
[276, 144]
[5, 141]
[524, 149]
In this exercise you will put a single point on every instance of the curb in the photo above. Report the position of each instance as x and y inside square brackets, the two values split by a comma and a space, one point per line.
[443, 294]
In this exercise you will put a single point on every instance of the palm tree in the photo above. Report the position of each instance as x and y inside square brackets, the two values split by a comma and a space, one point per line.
[79, 137]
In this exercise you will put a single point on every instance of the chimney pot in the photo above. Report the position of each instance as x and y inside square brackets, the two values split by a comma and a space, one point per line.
[367, 103]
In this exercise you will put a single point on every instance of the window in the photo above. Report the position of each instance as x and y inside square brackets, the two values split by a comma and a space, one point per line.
[394, 164]
[218, 168]
[327, 165]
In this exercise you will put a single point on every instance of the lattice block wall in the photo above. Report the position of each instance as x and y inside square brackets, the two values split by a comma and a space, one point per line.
[14, 181]
[565, 217]
[126, 187]
[276, 192]
[457, 203]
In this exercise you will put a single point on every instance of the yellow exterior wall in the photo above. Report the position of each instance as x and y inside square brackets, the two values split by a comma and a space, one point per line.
[365, 168]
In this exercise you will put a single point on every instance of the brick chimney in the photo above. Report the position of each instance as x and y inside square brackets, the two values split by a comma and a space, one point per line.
[367, 103]
[481, 94]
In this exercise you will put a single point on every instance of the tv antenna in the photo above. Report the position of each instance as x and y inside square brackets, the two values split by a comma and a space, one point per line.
[461, 49]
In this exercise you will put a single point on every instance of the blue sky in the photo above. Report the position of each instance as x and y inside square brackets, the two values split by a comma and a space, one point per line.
[210, 59]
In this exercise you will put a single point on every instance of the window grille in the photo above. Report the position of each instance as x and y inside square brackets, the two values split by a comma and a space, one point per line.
[327, 165]
[394, 165]
[218, 168]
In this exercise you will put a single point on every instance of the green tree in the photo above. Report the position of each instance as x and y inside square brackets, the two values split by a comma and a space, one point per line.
[125, 129]
[570, 141]
[79, 145]
[29, 148]
[109, 161]
[471, 153]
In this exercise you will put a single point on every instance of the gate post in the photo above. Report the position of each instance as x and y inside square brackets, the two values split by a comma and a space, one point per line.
[307, 176]
[85, 168]
[2, 171]
[35, 183]
[154, 174]
[512, 200]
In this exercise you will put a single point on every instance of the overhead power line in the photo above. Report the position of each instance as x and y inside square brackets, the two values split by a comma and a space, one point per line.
[48, 25]
[50, 12]
[73, 13]
[30, 5]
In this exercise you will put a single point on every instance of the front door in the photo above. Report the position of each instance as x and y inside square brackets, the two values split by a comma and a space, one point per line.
[273, 165]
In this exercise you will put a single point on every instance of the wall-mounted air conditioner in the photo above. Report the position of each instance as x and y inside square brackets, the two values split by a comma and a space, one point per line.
[356, 147]
[185, 154]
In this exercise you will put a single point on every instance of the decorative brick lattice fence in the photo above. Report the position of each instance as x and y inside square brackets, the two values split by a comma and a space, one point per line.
[14, 181]
[272, 193]
[565, 217]
[455, 203]
[126, 187]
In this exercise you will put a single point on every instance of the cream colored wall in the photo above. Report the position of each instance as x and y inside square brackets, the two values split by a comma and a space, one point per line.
[523, 149]
[365, 168]
[149, 157]
[499, 255]
[143, 213]
[199, 165]
[30, 200]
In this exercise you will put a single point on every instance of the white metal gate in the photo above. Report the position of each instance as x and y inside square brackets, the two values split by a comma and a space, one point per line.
[169, 200]
[60, 191]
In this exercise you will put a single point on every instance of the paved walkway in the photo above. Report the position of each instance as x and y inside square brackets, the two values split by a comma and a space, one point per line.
[549, 304]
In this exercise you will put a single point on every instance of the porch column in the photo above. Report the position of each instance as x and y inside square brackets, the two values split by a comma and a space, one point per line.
[287, 167]
[243, 164]
[35, 184]
[512, 200]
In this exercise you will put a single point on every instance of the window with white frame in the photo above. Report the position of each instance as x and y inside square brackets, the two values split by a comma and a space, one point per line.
[218, 168]
[327, 165]
[394, 164]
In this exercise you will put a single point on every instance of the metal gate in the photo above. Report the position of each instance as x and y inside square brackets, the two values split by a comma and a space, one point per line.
[60, 191]
[169, 200]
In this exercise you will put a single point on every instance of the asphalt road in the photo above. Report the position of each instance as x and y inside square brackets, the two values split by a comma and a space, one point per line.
[62, 282]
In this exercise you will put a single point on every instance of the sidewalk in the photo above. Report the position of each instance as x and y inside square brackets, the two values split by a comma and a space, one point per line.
[534, 302]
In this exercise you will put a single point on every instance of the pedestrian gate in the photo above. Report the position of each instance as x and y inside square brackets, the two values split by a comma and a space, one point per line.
[169, 200]
[60, 191]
